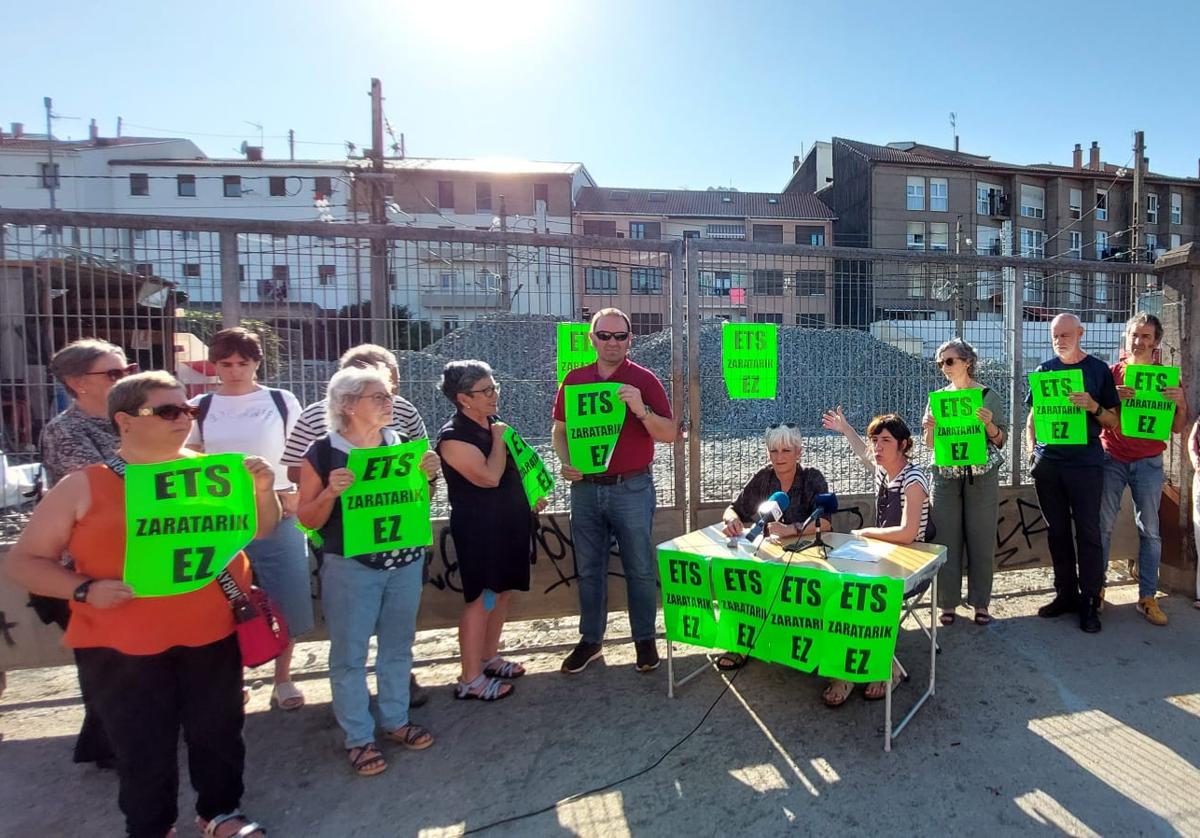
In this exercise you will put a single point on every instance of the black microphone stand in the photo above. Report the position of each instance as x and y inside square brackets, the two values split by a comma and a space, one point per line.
[816, 542]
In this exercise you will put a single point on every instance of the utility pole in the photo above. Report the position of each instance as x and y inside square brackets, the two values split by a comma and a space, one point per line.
[52, 175]
[380, 296]
[959, 313]
[505, 283]
[291, 144]
[1137, 237]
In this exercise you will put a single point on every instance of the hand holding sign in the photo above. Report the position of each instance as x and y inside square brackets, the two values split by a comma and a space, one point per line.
[958, 434]
[595, 414]
[340, 479]
[1156, 395]
[535, 477]
[261, 473]
[387, 505]
[1057, 418]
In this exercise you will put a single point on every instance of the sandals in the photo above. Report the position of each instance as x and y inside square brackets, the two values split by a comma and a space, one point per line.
[947, 618]
[982, 618]
[249, 827]
[285, 696]
[498, 667]
[729, 661]
[367, 760]
[836, 693]
[483, 688]
[414, 737]
[877, 690]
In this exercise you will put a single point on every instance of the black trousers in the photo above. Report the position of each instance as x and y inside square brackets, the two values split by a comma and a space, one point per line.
[143, 701]
[1070, 495]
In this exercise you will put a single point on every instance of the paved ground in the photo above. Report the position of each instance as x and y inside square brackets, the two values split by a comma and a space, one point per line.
[1036, 729]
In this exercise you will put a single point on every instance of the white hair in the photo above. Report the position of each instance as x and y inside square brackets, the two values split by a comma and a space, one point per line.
[788, 435]
[345, 387]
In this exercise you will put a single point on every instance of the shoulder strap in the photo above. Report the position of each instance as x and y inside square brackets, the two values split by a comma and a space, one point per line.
[204, 406]
[281, 406]
[325, 457]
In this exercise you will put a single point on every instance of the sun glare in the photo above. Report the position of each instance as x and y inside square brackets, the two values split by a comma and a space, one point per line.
[480, 23]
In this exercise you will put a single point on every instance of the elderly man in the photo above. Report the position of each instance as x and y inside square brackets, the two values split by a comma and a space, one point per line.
[1070, 478]
[621, 500]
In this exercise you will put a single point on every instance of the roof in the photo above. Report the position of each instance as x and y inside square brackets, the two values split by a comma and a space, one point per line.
[208, 162]
[37, 142]
[704, 204]
[481, 165]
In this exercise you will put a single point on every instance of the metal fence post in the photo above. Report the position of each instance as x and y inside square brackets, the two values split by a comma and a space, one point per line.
[231, 280]
[1016, 375]
[692, 327]
[678, 288]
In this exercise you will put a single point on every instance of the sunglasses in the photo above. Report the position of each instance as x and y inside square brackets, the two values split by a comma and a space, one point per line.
[118, 373]
[607, 336]
[948, 362]
[170, 412]
[779, 425]
[489, 391]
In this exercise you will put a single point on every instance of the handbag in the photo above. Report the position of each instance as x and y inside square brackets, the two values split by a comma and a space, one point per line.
[261, 629]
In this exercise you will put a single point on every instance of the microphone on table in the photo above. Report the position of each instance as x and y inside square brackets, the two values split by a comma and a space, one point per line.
[824, 505]
[771, 509]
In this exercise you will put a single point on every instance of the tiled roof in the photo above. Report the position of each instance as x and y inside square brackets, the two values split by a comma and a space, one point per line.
[704, 204]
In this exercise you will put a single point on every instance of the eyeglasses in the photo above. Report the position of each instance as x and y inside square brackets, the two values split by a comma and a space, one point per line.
[380, 399]
[489, 391]
[607, 336]
[118, 373]
[948, 362]
[170, 412]
[779, 425]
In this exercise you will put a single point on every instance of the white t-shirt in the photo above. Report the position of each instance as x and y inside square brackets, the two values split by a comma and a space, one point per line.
[249, 424]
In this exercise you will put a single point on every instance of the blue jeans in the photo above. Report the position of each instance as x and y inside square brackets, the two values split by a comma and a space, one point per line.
[280, 565]
[360, 602]
[625, 510]
[1145, 481]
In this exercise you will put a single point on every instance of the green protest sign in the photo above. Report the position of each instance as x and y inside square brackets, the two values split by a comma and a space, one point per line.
[794, 634]
[862, 620]
[1149, 414]
[387, 505]
[750, 359]
[687, 598]
[535, 477]
[1055, 420]
[743, 590]
[958, 436]
[575, 348]
[185, 520]
[594, 419]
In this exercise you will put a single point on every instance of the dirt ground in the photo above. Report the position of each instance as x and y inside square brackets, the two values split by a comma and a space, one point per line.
[1036, 728]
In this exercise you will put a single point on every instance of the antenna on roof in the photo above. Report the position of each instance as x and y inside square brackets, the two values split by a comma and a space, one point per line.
[954, 128]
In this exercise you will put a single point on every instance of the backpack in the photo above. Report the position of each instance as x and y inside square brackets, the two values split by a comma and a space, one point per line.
[205, 405]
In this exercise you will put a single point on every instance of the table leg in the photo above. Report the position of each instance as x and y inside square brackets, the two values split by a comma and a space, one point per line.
[890, 732]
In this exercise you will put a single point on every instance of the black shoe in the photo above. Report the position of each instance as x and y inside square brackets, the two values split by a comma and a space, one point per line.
[417, 695]
[1089, 615]
[584, 654]
[1057, 607]
[647, 655]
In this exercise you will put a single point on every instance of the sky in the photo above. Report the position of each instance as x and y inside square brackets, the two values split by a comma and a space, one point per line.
[645, 93]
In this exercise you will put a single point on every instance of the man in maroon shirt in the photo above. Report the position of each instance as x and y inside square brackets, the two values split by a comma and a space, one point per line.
[619, 502]
[1137, 463]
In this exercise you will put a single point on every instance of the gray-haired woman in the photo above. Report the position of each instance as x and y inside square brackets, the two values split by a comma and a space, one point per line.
[363, 595]
[966, 498]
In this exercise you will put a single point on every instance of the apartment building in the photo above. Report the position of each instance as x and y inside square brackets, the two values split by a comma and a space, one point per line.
[734, 286]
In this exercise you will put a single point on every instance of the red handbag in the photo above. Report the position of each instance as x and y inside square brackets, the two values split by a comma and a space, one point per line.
[261, 630]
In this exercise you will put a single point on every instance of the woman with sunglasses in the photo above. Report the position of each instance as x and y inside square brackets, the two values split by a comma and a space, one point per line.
[966, 499]
[782, 473]
[490, 522]
[152, 665]
[368, 594]
[902, 508]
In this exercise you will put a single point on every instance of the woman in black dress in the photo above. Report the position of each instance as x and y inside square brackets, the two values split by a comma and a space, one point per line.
[491, 523]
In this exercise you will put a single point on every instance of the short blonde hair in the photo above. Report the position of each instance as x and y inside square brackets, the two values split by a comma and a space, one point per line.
[77, 357]
[788, 435]
[345, 387]
[129, 394]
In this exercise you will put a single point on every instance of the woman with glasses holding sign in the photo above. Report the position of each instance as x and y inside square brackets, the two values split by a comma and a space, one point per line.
[152, 664]
[783, 473]
[491, 523]
[366, 592]
[966, 498]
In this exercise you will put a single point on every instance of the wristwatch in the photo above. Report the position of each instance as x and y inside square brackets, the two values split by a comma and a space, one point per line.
[81, 593]
[1099, 409]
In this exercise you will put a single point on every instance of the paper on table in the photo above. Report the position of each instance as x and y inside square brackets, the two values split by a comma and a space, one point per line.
[859, 550]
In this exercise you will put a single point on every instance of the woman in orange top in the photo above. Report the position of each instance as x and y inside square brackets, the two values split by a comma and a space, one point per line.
[151, 664]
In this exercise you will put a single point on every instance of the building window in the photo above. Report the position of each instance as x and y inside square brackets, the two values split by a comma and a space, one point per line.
[144, 269]
[1035, 291]
[277, 187]
[445, 194]
[600, 280]
[191, 269]
[810, 283]
[691, 234]
[232, 185]
[1033, 201]
[721, 283]
[914, 285]
[769, 317]
[768, 282]
[323, 186]
[1151, 246]
[987, 241]
[541, 192]
[1033, 244]
[1101, 289]
[1102, 205]
[1176, 240]
[139, 184]
[1075, 251]
[189, 235]
[1101, 245]
[768, 233]
[326, 274]
[600, 228]
[725, 231]
[985, 198]
[185, 186]
[483, 197]
[1076, 206]
[645, 230]
[241, 273]
[939, 236]
[939, 194]
[50, 178]
[1073, 293]
[139, 235]
[1151, 208]
[915, 194]
[645, 323]
[810, 235]
[1176, 208]
[812, 320]
[916, 235]
[646, 280]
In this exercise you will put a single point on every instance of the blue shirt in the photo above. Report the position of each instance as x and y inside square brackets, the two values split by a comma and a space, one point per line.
[1098, 383]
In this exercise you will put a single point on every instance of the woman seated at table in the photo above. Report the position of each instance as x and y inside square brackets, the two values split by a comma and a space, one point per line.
[782, 474]
[902, 508]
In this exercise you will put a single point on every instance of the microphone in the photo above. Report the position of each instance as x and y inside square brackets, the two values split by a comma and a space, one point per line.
[771, 509]
[824, 505]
